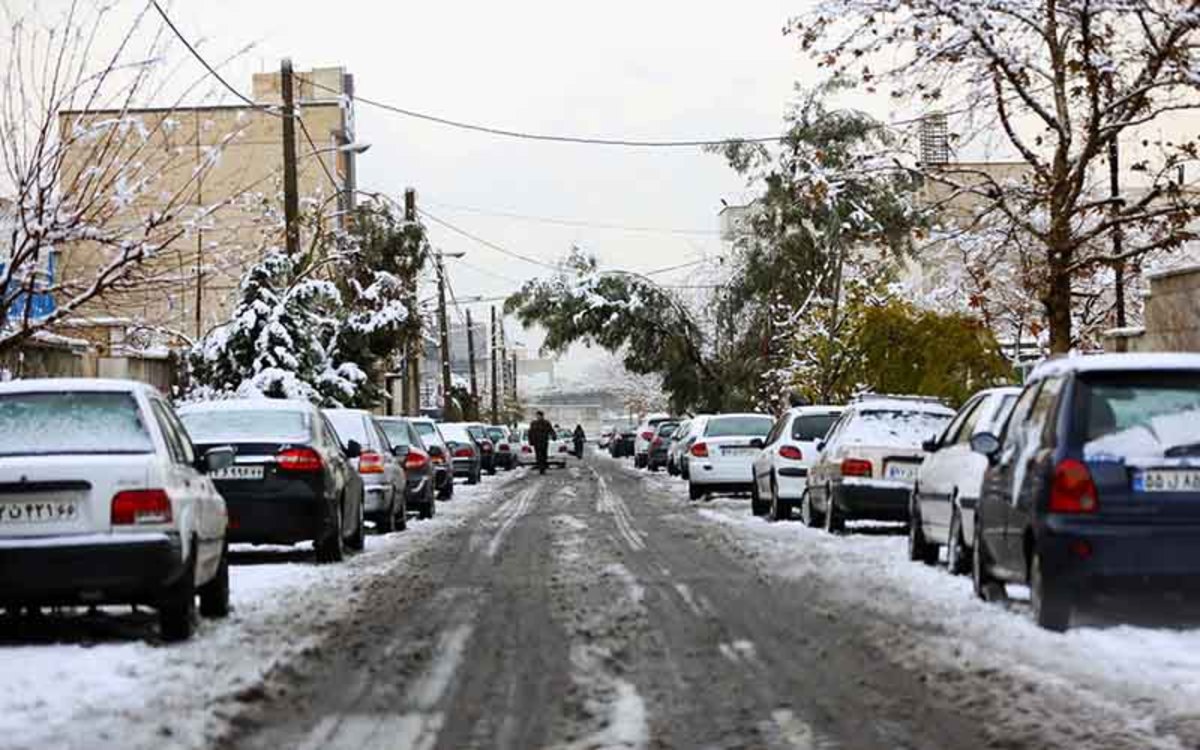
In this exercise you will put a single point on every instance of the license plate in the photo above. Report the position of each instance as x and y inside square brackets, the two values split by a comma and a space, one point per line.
[238, 472]
[901, 472]
[37, 510]
[738, 450]
[1167, 480]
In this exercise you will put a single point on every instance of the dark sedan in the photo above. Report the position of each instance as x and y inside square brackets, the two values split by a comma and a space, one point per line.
[439, 455]
[291, 480]
[418, 463]
[465, 457]
[1094, 485]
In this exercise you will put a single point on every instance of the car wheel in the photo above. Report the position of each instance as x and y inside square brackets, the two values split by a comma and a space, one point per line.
[781, 510]
[177, 609]
[358, 540]
[653, 467]
[214, 595]
[447, 490]
[332, 547]
[695, 491]
[387, 522]
[1051, 609]
[757, 506]
[919, 549]
[986, 586]
[402, 516]
[835, 523]
[958, 560]
[473, 477]
[808, 514]
[428, 509]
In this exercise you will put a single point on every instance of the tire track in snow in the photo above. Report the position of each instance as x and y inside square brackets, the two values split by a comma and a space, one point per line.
[609, 502]
[511, 512]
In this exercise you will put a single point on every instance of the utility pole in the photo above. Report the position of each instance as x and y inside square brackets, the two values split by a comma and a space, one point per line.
[1114, 184]
[471, 361]
[514, 376]
[495, 381]
[291, 190]
[447, 399]
[415, 350]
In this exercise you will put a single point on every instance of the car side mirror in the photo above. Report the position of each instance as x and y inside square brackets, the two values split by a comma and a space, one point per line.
[756, 443]
[820, 445]
[216, 459]
[436, 450]
[930, 445]
[353, 449]
[401, 451]
[987, 444]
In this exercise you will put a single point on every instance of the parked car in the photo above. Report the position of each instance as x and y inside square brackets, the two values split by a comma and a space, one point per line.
[466, 459]
[419, 468]
[1094, 484]
[780, 471]
[643, 434]
[385, 483]
[606, 436]
[556, 452]
[623, 441]
[104, 500]
[695, 429]
[487, 449]
[291, 481]
[656, 458]
[439, 455]
[675, 446]
[720, 458]
[868, 462]
[505, 456]
[942, 511]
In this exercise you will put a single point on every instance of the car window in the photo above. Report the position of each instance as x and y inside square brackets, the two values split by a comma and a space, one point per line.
[963, 427]
[415, 439]
[894, 427]
[1141, 414]
[397, 431]
[170, 435]
[776, 430]
[349, 425]
[381, 438]
[752, 426]
[1041, 417]
[72, 422]
[328, 436]
[1013, 431]
[811, 427]
[246, 425]
[836, 430]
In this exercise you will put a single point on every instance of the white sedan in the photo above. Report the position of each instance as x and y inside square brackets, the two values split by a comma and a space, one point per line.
[781, 468]
[721, 457]
[104, 501]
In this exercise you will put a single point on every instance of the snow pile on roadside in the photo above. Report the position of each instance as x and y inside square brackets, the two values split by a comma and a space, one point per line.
[130, 693]
[1147, 679]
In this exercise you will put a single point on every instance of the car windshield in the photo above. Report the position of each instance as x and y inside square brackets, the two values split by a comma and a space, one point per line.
[396, 431]
[349, 425]
[477, 432]
[667, 429]
[426, 429]
[456, 433]
[1150, 415]
[34, 424]
[246, 425]
[811, 427]
[749, 426]
[899, 428]
[497, 434]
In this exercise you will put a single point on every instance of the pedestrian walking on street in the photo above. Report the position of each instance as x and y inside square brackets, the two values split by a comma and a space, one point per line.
[540, 432]
[580, 437]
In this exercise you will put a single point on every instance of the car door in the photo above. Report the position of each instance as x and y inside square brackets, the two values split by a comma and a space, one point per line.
[992, 514]
[1033, 470]
[936, 480]
[198, 518]
[393, 468]
[821, 476]
[764, 462]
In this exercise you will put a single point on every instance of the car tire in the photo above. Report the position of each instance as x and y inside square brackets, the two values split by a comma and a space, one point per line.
[1051, 607]
[781, 510]
[808, 514]
[835, 522]
[429, 508]
[987, 587]
[447, 490]
[387, 522]
[177, 608]
[332, 547]
[653, 468]
[919, 548]
[473, 477]
[757, 506]
[695, 491]
[958, 559]
[358, 540]
[402, 516]
[214, 595]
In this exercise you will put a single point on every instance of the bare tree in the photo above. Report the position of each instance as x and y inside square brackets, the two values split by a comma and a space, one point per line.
[1064, 81]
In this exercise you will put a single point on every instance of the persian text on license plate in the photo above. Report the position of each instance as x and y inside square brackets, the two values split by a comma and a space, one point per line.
[901, 472]
[33, 510]
[239, 472]
[1167, 480]
[738, 450]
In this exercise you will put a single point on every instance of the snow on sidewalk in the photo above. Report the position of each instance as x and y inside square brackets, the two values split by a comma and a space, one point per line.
[125, 692]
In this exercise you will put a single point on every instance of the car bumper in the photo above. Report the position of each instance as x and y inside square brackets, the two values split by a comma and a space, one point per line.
[721, 473]
[375, 499]
[875, 500]
[275, 520]
[1121, 558]
[417, 489]
[464, 467]
[95, 569]
[791, 482]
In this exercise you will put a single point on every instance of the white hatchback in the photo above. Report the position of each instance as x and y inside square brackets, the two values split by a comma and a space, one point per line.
[722, 455]
[104, 501]
[781, 468]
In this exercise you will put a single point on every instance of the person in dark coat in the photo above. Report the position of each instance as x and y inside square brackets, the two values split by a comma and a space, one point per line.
[540, 433]
[580, 437]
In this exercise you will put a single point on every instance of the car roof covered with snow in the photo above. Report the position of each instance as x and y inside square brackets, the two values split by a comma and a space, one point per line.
[884, 403]
[108, 385]
[249, 404]
[816, 409]
[1118, 362]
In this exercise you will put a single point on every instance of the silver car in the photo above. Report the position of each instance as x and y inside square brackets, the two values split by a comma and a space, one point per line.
[384, 480]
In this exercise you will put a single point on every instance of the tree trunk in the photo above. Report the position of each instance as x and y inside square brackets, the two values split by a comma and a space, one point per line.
[1057, 302]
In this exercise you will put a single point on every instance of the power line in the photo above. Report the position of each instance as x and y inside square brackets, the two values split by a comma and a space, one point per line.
[211, 70]
[324, 167]
[689, 264]
[486, 243]
[523, 135]
[575, 222]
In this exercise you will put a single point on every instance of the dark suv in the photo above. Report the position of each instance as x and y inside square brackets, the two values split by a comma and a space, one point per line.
[1094, 485]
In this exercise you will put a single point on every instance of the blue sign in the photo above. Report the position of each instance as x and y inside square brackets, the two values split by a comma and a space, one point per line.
[39, 305]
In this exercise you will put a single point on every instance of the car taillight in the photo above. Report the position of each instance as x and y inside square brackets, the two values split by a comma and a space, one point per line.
[526, 449]
[856, 467]
[647, 435]
[370, 462]
[1073, 490]
[416, 460]
[463, 452]
[133, 507]
[700, 450]
[562, 449]
[791, 453]
[487, 447]
[298, 459]
[657, 442]
[504, 447]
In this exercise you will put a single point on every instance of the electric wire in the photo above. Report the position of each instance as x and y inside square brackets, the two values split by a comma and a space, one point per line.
[337, 188]
[486, 243]
[575, 222]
